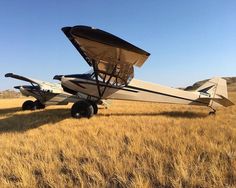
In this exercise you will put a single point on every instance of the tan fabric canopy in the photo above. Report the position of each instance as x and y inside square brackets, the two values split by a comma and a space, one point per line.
[107, 51]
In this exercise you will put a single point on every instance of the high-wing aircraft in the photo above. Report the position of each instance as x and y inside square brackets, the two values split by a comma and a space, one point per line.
[112, 60]
[46, 93]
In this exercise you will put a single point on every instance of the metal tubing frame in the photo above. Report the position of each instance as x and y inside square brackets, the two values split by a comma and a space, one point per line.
[101, 93]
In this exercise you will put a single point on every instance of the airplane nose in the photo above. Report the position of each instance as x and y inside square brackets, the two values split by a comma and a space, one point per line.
[57, 77]
[68, 86]
[65, 82]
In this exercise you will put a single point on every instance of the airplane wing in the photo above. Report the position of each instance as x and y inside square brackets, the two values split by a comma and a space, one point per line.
[46, 86]
[106, 51]
[18, 77]
[99, 45]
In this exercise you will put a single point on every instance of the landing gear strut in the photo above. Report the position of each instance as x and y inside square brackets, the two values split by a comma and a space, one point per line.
[213, 112]
[84, 109]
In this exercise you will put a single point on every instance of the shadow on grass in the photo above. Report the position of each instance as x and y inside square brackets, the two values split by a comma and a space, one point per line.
[31, 120]
[185, 114]
[174, 114]
[9, 110]
[35, 119]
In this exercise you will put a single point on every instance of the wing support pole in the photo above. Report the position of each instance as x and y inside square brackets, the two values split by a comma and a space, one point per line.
[96, 77]
[108, 81]
[101, 93]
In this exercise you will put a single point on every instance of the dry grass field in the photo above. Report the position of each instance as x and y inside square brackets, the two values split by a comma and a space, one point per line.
[129, 145]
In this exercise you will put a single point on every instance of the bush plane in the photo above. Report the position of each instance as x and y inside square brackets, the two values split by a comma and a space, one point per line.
[45, 93]
[112, 60]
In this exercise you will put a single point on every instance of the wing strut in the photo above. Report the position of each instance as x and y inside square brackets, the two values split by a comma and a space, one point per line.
[104, 83]
[96, 77]
[108, 81]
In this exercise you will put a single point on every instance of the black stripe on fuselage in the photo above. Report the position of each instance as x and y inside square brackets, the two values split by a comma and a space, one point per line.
[168, 95]
[137, 89]
[77, 82]
[73, 92]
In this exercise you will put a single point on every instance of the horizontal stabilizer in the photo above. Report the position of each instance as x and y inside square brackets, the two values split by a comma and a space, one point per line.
[224, 101]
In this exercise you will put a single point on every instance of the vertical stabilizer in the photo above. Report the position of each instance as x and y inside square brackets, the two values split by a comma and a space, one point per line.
[217, 90]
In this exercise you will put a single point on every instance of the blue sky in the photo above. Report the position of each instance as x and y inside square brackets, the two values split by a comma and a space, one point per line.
[188, 40]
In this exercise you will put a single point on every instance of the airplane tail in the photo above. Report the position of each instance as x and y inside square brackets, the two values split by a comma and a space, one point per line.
[216, 89]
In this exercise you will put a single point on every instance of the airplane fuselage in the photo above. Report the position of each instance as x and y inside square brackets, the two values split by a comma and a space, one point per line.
[47, 97]
[136, 90]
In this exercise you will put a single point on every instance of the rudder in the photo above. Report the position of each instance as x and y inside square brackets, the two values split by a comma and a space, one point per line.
[216, 89]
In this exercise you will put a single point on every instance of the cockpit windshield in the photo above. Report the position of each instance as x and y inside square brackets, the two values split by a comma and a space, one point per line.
[88, 75]
[116, 73]
[110, 73]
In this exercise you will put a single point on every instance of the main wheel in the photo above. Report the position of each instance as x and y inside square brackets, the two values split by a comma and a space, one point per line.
[28, 105]
[82, 109]
[39, 105]
[95, 107]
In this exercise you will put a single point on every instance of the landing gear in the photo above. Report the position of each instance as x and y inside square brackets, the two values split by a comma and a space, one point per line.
[83, 109]
[95, 107]
[39, 105]
[213, 112]
[28, 105]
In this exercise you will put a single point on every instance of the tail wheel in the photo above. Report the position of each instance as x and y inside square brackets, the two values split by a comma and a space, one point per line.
[82, 109]
[39, 105]
[28, 105]
[212, 113]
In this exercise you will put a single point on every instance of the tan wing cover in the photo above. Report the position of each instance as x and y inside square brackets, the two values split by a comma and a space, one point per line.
[95, 44]
[108, 54]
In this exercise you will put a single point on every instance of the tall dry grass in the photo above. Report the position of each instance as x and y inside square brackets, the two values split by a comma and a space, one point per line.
[129, 145]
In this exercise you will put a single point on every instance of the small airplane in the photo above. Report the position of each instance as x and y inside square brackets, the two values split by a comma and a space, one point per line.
[112, 60]
[46, 93]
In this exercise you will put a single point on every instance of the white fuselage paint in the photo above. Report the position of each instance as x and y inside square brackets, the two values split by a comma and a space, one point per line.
[136, 90]
[49, 97]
